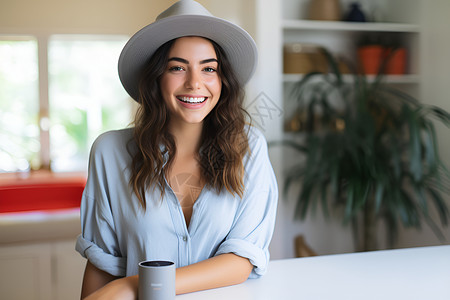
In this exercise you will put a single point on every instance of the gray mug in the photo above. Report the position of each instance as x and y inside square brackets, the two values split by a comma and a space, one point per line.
[156, 280]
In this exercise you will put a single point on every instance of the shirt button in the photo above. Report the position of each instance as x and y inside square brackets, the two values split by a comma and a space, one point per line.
[184, 238]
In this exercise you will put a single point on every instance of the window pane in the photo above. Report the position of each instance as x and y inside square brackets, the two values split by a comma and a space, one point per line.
[86, 97]
[19, 105]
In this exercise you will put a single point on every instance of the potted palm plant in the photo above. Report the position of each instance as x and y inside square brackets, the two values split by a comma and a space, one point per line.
[370, 150]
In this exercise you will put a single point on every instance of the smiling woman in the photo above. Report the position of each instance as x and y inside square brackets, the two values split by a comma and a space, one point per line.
[191, 183]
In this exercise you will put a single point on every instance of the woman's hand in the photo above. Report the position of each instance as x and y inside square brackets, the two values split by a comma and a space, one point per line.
[123, 289]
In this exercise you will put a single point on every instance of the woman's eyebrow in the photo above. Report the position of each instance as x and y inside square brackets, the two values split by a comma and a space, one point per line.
[205, 61]
[179, 59]
[184, 61]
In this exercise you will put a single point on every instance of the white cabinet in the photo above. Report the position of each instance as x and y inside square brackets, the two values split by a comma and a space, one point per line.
[68, 269]
[25, 272]
[50, 270]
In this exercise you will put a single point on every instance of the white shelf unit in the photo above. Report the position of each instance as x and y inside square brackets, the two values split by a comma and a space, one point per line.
[349, 26]
[400, 28]
[394, 79]
[399, 23]
[285, 21]
[343, 38]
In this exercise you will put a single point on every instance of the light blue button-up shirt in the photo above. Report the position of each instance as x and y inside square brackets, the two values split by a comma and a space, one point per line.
[117, 233]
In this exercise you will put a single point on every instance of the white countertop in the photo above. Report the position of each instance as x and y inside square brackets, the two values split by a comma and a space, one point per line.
[39, 226]
[415, 273]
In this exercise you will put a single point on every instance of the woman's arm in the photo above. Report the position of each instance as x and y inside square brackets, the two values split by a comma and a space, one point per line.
[222, 270]
[218, 271]
[96, 280]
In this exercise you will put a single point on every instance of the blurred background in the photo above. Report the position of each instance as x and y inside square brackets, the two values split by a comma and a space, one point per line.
[59, 90]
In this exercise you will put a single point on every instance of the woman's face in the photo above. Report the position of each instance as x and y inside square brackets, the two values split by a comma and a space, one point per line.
[191, 85]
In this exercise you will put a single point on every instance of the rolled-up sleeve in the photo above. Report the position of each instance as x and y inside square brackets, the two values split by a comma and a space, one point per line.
[254, 222]
[98, 240]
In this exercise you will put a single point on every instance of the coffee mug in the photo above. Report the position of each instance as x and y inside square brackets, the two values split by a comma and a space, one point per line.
[156, 280]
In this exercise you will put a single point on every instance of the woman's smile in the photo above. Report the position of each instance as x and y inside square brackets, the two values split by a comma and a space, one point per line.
[192, 99]
[192, 102]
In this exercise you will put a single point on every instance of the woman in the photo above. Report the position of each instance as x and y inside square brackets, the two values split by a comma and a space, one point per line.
[191, 182]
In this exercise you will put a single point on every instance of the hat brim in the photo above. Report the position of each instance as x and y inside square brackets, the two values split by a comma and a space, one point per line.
[238, 45]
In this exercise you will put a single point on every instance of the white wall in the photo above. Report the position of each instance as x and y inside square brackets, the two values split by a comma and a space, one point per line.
[435, 70]
[101, 16]
[83, 16]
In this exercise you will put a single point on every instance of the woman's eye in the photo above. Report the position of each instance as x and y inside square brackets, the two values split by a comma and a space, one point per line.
[209, 69]
[176, 68]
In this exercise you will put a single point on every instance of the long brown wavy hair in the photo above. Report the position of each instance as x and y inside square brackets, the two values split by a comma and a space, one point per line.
[224, 141]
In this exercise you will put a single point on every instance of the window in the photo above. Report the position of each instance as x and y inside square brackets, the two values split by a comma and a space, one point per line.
[85, 98]
[19, 104]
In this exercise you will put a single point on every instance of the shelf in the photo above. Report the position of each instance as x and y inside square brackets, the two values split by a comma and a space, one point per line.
[393, 79]
[349, 26]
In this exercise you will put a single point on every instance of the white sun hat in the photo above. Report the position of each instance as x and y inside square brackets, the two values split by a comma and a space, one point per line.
[186, 18]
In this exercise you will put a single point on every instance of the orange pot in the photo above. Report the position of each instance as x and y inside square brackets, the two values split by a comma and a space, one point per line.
[397, 62]
[370, 58]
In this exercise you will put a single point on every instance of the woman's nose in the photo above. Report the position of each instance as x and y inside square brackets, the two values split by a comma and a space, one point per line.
[192, 80]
